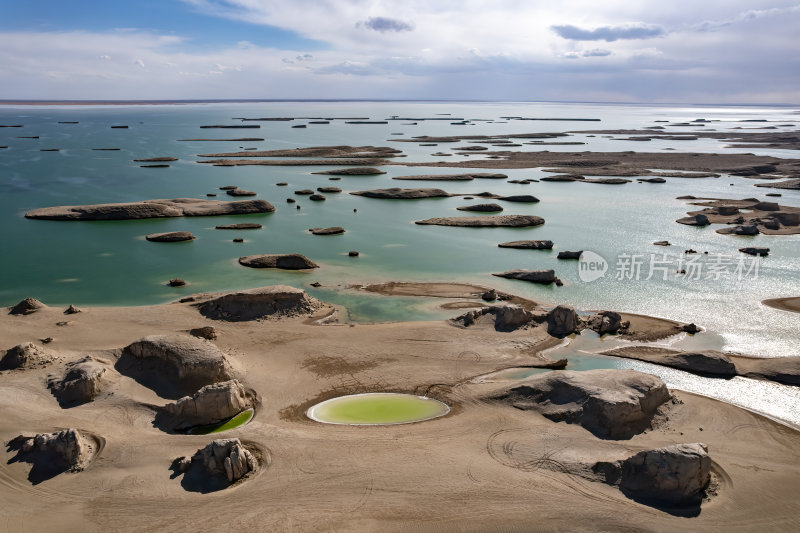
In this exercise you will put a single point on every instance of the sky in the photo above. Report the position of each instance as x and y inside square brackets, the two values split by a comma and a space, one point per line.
[705, 52]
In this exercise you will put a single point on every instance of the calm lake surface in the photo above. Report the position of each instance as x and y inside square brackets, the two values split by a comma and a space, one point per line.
[110, 263]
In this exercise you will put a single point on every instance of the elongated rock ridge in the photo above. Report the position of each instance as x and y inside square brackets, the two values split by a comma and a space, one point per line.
[177, 207]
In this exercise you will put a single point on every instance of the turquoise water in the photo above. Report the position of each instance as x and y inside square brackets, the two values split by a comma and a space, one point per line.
[110, 263]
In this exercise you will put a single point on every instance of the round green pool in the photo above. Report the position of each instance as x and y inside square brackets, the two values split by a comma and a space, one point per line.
[377, 408]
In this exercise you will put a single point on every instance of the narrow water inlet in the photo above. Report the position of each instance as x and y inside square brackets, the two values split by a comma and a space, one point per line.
[377, 408]
[774, 400]
[234, 422]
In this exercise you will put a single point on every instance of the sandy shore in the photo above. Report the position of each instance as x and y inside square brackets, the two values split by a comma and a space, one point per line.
[784, 304]
[474, 469]
[642, 328]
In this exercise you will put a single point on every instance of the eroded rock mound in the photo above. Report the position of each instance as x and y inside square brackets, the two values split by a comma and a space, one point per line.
[284, 261]
[335, 230]
[534, 276]
[562, 321]
[612, 404]
[26, 355]
[563, 177]
[706, 362]
[743, 229]
[696, 220]
[674, 475]
[453, 177]
[252, 304]
[608, 322]
[784, 370]
[396, 193]
[767, 206]
[54, 453]
[755, 250]
[227, 457]
[83, 380]
[528, 245]
[177, 207]
[204, 332]
[242, 225]
[749, 216]
[485, 221]
[240, 192]
[502, 317]
[173, 236]
[156, 160]
[355, 171]
[174, 365]
[488, 208]
[521, 198]
[607, 181]
[211, 404]
[27, 306]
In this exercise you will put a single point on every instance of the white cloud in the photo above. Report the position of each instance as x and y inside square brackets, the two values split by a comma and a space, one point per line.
[354, 68]
[596, 52]
[747, 16]
[465, 49]
[647, 52]
[609, 33]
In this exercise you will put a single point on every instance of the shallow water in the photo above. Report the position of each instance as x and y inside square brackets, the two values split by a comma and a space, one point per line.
[110, 263]
[234, 422]
[377, 408]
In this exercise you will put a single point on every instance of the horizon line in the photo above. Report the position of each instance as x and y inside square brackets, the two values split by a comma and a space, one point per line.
[163, 101]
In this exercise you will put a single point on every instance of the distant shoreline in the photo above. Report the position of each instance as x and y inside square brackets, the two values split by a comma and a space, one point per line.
[210, 101]
[193, 102]
[54, 102]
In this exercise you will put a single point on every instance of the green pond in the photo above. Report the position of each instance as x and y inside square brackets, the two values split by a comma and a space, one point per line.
[378, 408]
[239, 420]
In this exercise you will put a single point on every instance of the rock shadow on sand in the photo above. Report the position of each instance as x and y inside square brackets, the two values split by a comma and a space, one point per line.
[52, 454]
